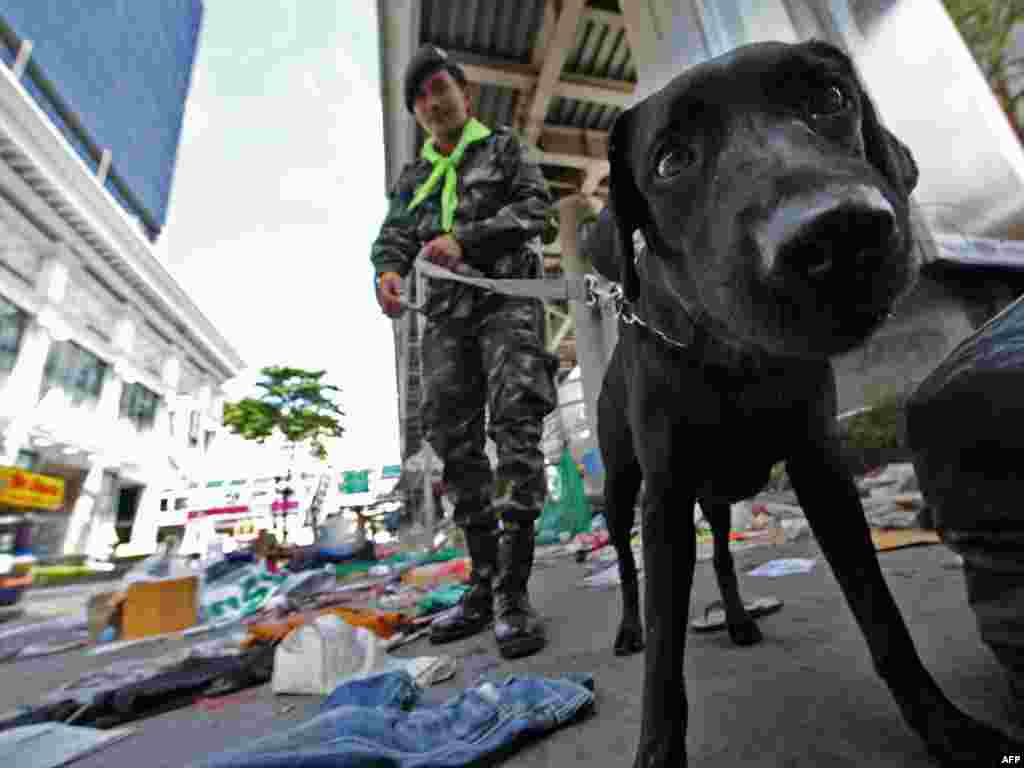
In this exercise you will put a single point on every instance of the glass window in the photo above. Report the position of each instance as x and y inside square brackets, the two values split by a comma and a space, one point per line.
[76, 371]
[163, 505]
[139, 405]
[26, 460]
[12, 326]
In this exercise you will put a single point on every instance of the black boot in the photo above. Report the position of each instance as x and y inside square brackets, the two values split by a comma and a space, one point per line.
[475, 610]
[517, 629]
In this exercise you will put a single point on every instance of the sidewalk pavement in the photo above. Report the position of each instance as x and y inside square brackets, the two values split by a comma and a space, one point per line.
[807, 695]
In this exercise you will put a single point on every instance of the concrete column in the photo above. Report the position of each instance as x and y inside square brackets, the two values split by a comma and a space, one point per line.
[82, 513]
[110, 397]
[147, 521]
[162, 421]
[592, 348]
[170, 373]
[205, 397]
[125, 330]
[21, 395]
[102, 526]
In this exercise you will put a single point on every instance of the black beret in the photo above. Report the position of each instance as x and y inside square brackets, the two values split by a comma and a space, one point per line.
[428, 60]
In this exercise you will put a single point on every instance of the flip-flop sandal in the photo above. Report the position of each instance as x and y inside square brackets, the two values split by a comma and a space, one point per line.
[714, 613]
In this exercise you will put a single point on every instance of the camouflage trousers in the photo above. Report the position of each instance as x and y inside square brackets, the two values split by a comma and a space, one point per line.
[491, 365]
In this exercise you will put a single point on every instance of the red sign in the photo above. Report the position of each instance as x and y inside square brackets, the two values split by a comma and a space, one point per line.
[278, 506]
[197, 513]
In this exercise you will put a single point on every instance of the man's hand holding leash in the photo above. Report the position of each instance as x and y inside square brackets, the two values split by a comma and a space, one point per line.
[443, 251]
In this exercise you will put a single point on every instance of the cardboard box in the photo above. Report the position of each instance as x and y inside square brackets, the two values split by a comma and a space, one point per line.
[159, 607]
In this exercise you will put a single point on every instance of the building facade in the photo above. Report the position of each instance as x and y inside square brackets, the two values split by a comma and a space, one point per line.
[110, 376]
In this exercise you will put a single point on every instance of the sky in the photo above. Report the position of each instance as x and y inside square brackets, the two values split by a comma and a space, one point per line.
[277, 197]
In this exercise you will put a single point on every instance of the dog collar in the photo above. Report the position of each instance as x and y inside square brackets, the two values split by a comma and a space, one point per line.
[707, 348]
[626, 313]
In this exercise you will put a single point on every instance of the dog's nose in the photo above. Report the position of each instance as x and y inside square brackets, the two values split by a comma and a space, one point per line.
[837, 231]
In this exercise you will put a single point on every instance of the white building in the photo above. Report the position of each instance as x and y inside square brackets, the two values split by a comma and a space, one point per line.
[236, 495]
[110, 376]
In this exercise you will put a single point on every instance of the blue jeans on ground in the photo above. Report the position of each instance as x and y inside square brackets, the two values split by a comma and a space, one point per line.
[378, 722]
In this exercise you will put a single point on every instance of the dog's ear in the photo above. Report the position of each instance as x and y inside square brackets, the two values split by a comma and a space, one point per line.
[625, 201]
[884, 151]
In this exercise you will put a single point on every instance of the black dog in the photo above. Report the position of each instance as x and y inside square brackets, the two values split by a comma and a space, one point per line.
[773, 210]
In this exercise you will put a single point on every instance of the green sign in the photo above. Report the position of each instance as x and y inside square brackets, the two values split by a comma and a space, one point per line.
[355, 482]
[391, 470]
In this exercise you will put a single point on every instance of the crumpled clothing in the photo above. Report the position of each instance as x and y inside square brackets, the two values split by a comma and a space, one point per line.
[126, 690]
[381, 720]
[442, 598]
[382, 624]
[14, 641]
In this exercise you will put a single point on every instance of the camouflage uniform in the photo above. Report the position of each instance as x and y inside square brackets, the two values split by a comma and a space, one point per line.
[481, 349]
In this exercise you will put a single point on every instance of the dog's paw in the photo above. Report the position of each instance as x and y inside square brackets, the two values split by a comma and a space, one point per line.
[630, 640]
[745, 632]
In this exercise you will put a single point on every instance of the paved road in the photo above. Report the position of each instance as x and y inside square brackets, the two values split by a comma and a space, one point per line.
[807, 696]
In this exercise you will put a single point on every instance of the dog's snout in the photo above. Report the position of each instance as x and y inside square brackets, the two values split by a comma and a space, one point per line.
[840, 232]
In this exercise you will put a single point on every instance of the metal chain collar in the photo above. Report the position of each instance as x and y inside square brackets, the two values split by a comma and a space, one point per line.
[623, 309]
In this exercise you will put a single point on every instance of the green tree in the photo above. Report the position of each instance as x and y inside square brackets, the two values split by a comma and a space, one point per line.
[987, 28]
[295, 403]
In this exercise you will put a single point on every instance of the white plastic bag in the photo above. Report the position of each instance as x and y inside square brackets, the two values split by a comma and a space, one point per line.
[317, 657]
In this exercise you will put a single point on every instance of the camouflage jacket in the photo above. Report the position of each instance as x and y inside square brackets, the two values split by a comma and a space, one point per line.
[502, 210]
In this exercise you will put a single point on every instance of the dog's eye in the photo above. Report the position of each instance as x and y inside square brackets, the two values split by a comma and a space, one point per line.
[675, 159]
[828, 101]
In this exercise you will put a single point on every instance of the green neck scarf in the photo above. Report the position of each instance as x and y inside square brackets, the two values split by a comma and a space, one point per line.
[445, 166]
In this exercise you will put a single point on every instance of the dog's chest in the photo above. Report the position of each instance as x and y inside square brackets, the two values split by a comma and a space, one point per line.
[754, 431]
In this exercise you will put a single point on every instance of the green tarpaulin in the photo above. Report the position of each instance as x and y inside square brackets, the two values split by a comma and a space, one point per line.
[567, 510]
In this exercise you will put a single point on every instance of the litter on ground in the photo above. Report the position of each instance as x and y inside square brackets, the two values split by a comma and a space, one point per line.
[714, 614]
[784, 567]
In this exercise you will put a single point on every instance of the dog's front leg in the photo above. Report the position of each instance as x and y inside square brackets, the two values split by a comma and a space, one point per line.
[830, 500]
[670, 553]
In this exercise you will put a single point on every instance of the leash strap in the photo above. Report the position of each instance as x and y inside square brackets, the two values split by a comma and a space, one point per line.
[573, 288]
[584, 288]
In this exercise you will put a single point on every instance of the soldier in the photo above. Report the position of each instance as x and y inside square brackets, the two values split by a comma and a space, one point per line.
[473, 196]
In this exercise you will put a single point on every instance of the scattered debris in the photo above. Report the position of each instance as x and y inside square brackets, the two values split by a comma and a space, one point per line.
[899, 538]
[220, 703]
[402, 640]
[388, 707]
[783, 567]
[316, 657]
[49, 745]
[606, 577]
[714, 613]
